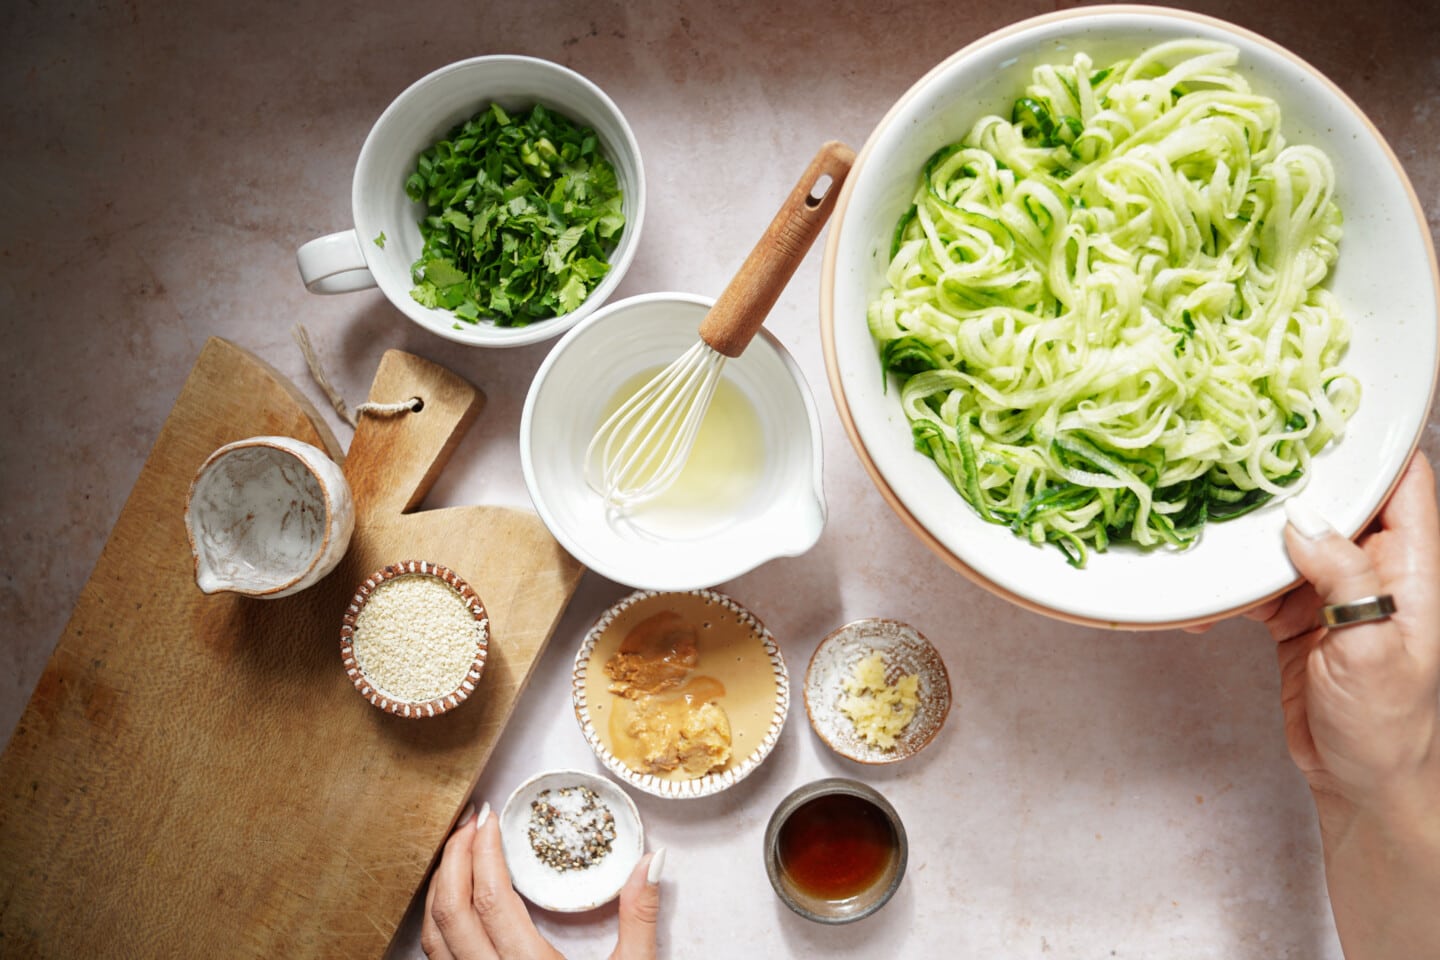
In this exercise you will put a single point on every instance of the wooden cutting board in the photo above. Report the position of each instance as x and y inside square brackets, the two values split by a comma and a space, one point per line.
[195, 776]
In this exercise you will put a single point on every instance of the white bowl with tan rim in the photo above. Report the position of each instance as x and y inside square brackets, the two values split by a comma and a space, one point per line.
[1386, 281]
[756, 714]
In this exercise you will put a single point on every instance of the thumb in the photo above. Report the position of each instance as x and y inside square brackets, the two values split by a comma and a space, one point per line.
[1338, 569]
[640, 910]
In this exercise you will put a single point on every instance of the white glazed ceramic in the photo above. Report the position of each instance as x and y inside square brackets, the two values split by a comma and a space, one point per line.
[784, 516]
[905, 652]
[711, 783]
[1386, 281]
[267, 517]
[570, 891]
[427, 110]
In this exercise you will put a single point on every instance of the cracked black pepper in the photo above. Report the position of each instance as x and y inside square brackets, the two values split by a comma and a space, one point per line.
[570, 828]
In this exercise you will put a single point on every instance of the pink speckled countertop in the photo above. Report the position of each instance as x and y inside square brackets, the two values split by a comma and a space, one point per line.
[1094, 793]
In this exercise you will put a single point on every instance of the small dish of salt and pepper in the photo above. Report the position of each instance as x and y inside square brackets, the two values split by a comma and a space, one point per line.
[571, 840]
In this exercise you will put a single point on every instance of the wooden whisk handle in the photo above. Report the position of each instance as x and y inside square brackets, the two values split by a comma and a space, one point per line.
[741, 309]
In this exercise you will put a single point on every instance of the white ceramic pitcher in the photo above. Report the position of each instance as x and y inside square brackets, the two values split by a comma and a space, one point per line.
[267, 517]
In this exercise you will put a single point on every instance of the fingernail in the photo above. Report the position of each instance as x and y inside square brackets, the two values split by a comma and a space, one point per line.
[657, 863]
[484, 815]
[1306, 521]
[469, 809]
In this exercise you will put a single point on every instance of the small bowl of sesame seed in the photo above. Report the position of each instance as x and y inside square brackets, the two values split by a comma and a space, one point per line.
[414, 639]
[571, 840]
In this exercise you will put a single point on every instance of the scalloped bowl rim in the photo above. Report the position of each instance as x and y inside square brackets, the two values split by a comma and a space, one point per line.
[711, 783]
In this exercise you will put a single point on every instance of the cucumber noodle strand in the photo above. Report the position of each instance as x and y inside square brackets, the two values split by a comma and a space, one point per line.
[1107, 311]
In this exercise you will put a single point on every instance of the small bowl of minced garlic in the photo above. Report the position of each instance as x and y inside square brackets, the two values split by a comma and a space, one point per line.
[877, 691]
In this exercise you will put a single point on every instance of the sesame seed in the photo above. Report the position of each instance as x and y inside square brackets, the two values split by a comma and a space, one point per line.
[416, 639]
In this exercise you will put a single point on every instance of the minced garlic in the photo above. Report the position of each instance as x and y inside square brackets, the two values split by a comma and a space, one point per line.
[879, 711]
[416, 639]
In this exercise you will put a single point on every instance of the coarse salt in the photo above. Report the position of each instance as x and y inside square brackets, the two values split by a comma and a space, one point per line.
[416, 638]
[570, 828]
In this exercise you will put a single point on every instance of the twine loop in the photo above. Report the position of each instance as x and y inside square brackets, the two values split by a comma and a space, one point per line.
[317, 373]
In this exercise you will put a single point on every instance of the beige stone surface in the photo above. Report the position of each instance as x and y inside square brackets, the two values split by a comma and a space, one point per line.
[1093, 794]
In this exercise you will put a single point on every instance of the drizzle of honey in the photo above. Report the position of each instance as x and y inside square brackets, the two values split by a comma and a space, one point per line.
[836, 847]
[652, 672]
[663, 636]
[674, 705]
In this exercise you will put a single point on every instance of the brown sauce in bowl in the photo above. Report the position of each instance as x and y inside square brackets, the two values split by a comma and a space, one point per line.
[835, 847]
[729, 667]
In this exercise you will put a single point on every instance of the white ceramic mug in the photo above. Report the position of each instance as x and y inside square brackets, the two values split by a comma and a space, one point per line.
[428, 110]
[267, 517]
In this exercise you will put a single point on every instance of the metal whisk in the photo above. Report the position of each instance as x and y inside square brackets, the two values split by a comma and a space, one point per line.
[642, 447]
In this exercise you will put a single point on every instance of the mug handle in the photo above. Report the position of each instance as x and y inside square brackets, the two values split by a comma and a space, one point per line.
[334, 263]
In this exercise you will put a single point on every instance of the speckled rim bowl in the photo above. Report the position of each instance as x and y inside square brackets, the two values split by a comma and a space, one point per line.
[835, 911]
[1386, 281]
[906, 651]
[267, 517]
[427, 110]
[784, 514]
[711, 783]
[384, 700]
[570, 891]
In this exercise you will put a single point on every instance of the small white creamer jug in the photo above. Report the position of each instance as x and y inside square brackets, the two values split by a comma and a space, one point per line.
[267, 517]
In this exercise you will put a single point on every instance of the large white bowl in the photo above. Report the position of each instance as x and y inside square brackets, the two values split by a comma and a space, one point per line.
[1386, 281]
[784, 515]
[426, 111]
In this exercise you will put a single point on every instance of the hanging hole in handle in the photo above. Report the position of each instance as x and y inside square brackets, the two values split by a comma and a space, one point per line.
[818, 192]
[417, 404]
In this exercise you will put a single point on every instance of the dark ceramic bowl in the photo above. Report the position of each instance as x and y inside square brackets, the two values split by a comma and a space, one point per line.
[878, 818]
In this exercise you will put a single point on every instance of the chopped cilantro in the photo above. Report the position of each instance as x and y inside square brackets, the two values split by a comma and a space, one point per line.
[521, 216]
[380, 240]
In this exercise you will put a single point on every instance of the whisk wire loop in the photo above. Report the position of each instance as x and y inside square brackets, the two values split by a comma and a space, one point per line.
[641, 448]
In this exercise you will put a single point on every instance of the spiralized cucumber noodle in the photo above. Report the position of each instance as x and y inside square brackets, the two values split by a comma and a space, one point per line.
[1107, 311]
